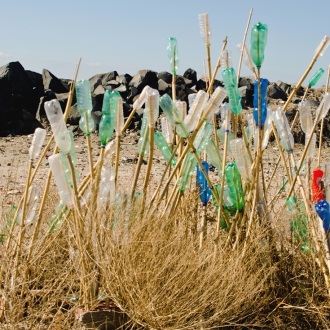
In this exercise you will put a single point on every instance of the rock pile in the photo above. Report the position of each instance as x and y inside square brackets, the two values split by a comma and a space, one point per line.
[23, 93]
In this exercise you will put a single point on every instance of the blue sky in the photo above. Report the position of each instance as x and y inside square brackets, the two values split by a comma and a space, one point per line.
[127, 36]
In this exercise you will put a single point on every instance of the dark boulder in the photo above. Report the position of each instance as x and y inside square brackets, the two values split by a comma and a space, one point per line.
[192, 76]
[124, 79]
[163, 87]
[127, 108]
[63, 100]
[166, 76]
[201, 84]
[53, 83]
[47, 96]
[74, 115]
[286, 87]
[247, 101]
[102, 79]
[123, 90]
[133, 92]
[275, 92]
[97, 98]
[112, 84]
[144, 78]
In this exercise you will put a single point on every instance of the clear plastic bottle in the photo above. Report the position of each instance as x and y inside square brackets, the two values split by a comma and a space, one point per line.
[141, 99]
[167, 130]
[182, 107]
[242, 159]
[246, 57]
[143, 143]
[37, 142]
[84, 104]
[283, 129]
[325, 39]
[64, 190]
[195, 110]
[306, 120]
[152, 104]
[204, 27]
[188, 168]
[323, 108]
[213, 104]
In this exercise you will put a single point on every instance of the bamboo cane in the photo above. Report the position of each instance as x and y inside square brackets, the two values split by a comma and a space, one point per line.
[322, 123]
[243, 45]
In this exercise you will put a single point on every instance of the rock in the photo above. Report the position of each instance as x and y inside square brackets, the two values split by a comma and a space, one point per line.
[201, 84]
[97, 98]
[165, 76]
[124, 79]
[48, 95]
[53, 83]
[112, 84]
[36, 80]
[74, 115]
[17, 93]
[144, 78]
[127, 109]
[96, 115]
[66, 82]
[247, 101]
[286, 87]
[296, 100]
[63, 99]
[300, 91]
[276, 92]
[133, 92]
[163, 87]
[192, 76]
[123, 90]
[102, 79]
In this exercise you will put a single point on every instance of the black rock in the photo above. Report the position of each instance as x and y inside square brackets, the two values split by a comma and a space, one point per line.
[97, 98]
[300, 90]
[144, 78]
[127, 108]
[163, 87]
[123, 90]
[48, 95]
[133, 92]
[36, 80]
[201, 84]
[296, 100]
[180, 81]
[275, 92]
[96, 115]
[53, 83]
[192, 76]
[112, 84]
[124, 79]
[66, 82]
[102, 79]
[63, 100]
[74, 115]
[286, 87]
[166, 76]
[247, 101]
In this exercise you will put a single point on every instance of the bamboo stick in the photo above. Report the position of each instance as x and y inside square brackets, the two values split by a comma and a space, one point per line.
[243, 45]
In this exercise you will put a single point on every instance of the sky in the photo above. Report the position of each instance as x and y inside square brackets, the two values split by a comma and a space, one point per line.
[127, 36]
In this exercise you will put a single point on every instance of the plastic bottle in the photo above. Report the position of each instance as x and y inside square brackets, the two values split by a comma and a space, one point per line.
[259, 34]
[214, 155]
[325, 39]
[202, 136]
[306, 120]
[283, 129]
[143, 143]
[37, 142]
[241, 158]
[31, 205]
[107, 184]
[152, 104]
[313, 81]
[267, 129]
[204, 27]
[322, 208]
[141, 99]
[173, 55]
[107, 124]
[195, 110]
[251, 125]
[204, 190]
[173, 115]
[311, 149]
[64, 190]
[323, 108]
[57, 217]
[233, 179]
[167, 130]
[182, 107]
[119, 117]
[213, 104]
[164, 148]
[84, 104]
[55, 116]
[317, 191]
[246, 57]
[230, 81]
[188, 168]
[263, 92]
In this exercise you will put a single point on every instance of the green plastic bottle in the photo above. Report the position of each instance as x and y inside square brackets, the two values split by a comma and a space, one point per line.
[107, 123]
[188, 168]
[84, 105]
[173, 55]
[229, 79]
[299, 222]
[214, 155]
[164, 148]
[259, 33]
[233, 179]
[203, 135]
[221, 135]
[313, 81]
